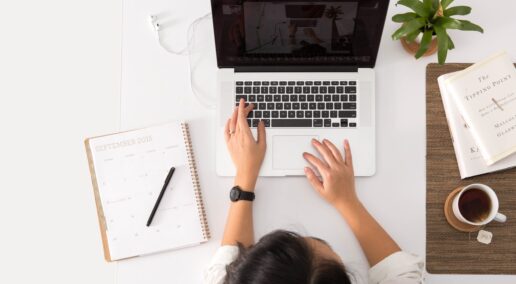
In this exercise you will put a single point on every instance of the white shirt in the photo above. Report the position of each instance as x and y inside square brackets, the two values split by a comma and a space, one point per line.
[397, 268]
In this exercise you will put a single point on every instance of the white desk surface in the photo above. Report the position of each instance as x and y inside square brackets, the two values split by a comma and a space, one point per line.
[155, 88]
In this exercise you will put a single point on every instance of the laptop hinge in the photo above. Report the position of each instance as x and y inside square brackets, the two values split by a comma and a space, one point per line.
[346, 68]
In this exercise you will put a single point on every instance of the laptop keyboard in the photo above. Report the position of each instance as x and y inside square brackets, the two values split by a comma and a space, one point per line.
[300, 103]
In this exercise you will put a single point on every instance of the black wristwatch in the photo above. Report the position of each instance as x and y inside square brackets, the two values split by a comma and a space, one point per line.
[237, 194]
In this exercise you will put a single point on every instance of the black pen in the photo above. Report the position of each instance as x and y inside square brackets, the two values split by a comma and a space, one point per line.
[167, 181]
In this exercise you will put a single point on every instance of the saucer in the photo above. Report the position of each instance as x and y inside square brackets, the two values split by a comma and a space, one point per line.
[450, 217]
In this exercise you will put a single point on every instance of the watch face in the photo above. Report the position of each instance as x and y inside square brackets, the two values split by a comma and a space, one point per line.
[234, 194]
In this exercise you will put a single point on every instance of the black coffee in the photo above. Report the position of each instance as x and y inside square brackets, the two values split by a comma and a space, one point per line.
[475, 205]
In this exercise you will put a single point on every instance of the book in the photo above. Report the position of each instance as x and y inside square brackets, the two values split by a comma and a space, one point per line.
[128, 170]
[469, 159]
[485, 95]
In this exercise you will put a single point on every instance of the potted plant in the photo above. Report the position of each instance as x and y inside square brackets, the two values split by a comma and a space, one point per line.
[424, 29]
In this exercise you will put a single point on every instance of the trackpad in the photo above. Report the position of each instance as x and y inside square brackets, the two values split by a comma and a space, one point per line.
[287, 151]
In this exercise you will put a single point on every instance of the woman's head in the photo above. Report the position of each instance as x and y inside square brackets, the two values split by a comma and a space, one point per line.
[286, 257]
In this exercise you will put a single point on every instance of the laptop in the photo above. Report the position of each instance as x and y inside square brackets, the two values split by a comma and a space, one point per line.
[307, 66]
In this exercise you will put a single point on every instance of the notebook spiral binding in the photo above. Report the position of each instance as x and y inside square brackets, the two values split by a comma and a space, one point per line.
[195, 180]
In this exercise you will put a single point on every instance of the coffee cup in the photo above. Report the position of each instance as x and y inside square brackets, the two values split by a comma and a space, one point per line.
[477, 205]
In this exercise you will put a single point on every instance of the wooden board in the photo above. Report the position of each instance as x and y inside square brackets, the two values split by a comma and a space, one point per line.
[449, 251]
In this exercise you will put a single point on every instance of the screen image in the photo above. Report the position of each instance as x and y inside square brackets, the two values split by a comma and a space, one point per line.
[333, 32]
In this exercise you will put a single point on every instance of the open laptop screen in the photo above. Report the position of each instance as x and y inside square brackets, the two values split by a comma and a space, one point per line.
[288, 33]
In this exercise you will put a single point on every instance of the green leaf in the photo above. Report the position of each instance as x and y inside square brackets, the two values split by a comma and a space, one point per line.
[448, 23]
[442, 44]
[425, 43]
[450, 43]
[469, 26]
[435, 4]
[402, 18]
[408, 27]
[416, 6]
[429, 5]
[412, 36]
[457, 10]
[446, 3]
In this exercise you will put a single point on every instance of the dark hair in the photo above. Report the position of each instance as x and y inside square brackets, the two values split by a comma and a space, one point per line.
[283, 257]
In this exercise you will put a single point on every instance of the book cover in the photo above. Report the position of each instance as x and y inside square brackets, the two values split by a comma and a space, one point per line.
[469, 159]
[485, 95]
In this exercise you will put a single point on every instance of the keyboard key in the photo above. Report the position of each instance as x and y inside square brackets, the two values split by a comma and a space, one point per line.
[312, 106]
[298, 90]
[252, 98]
[275, 114]
[320, 105]
[290, 90]
[329, 105]
[265, 83]
[293, 98]
[326, 83]
[291, 114]
[327, 123]
[239, 90]
[300, 83]
[353, 124]
[350, 90]
[281, 90]
[248, 83]
[331, 90]
[335, 98]
[327, 98]
[296, 106]
[287, 106]
[273, 90]
[239, 83]
[262, 106]
[291, 123]
[352, 83]
[334, 83]
[257, 83]
[247, 90]
[335, 124]
[340, 90]
[283, 114]
[277, 98]
[255, 122]
[317, 83]
[306, 90]
[304, 106]
[256, 90]
[257, 114]
[343, 83]
[343, 98]
[266, 114]
[333, 114]
[270, 106]
[268, 98]
[250, 114]
[302, 98]
[325, 114]
[318, 122]
[310, 98]
[352, 98]
[323, 90]
[315, 90]
[337, 105]
[309, 83]
[265, 90]
[317, 114]
[260, 98]
[291, 83]
[238, 97]
[274, 83]
[343, 122]
[283, 83]
[347, 114]
[300, 114]
[279, 106]
[319, 98]
[349, 106]
[267, 122]
[308, 114]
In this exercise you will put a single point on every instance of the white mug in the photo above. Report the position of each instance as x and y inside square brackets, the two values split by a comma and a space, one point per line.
[493, 215]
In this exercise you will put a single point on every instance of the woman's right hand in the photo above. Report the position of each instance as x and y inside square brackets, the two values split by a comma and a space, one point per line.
[338, 180]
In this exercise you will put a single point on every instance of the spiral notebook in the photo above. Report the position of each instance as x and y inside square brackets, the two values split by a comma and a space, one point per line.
[128, 170]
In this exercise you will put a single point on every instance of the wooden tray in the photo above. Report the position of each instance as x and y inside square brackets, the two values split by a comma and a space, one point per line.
[449, 251]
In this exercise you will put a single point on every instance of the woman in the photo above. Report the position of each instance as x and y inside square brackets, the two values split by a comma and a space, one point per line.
[286, 257]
